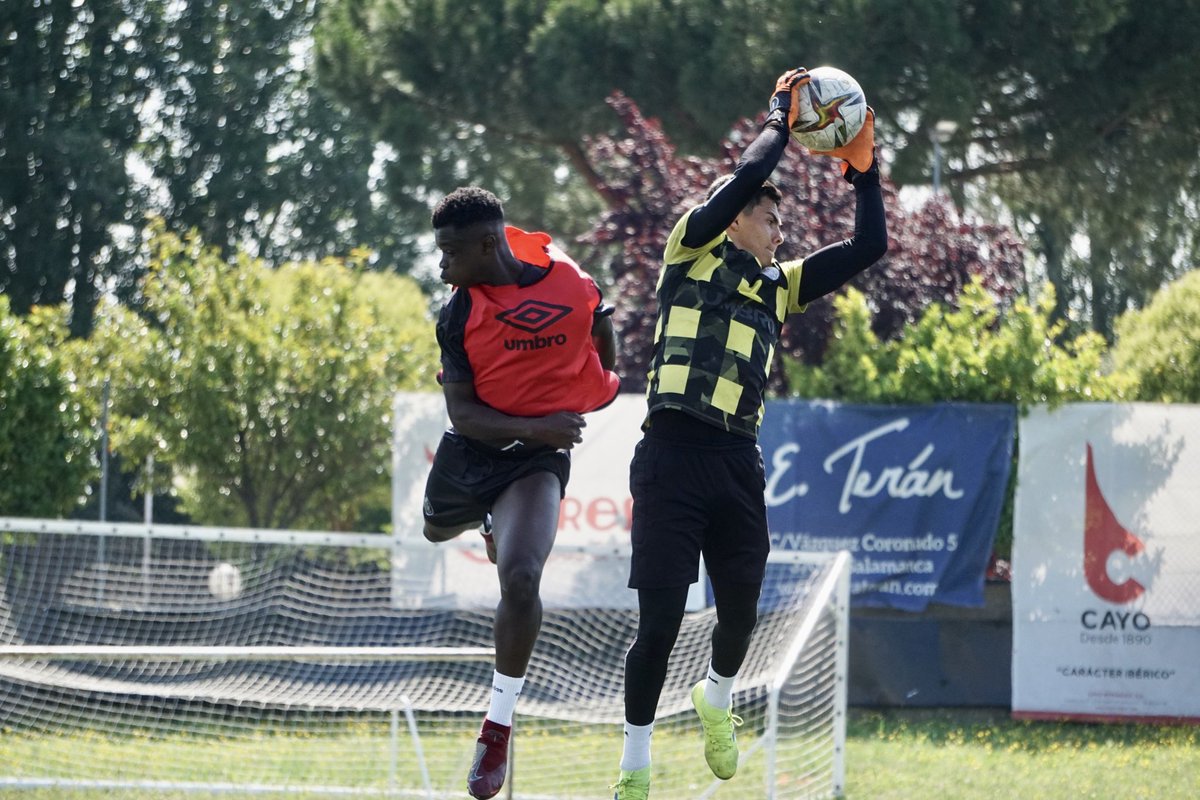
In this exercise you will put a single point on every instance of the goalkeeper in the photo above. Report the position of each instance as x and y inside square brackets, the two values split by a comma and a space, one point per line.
[527, 348]
[697, 476]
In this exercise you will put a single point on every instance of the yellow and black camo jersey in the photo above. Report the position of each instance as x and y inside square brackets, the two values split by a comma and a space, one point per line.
[720, 316]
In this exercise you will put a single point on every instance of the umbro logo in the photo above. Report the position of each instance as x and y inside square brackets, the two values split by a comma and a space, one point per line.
[533, 316]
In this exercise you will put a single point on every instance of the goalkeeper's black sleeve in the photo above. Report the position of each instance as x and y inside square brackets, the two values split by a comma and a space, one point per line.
[756, 165]
[830, 267]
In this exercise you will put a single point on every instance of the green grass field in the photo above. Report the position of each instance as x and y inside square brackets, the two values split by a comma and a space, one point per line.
[952, 754]
[956, 754]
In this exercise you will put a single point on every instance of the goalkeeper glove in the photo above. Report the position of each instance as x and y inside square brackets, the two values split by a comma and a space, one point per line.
[859, 152]
[785, 103]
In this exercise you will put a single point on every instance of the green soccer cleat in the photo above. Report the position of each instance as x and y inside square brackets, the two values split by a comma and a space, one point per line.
[720, 742]
[633, 785]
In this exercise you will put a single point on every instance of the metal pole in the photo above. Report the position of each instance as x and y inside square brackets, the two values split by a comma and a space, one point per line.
[104, 452]
[394, 760]
[257, 653]
[148, 516]
[101, 555]
[841, 603]
[397, 531]
[512, 760]
[937, 166]
[420, 751]
[771, 737]
[942, 132]
[148, 497]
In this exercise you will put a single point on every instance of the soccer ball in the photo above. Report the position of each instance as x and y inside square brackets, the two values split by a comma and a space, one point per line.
[832, 110]
[225, 581]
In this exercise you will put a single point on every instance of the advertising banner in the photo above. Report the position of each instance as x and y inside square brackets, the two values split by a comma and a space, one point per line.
[913, 492]
[1106, 568]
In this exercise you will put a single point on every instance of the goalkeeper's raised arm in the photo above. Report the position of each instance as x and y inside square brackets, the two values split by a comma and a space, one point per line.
[829, 268]
[727, 198]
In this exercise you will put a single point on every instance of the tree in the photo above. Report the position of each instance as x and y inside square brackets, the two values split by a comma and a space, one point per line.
[972, 350]
[502, 94]
[464, 121]
[251, 153]
[1159, 346]
[47, 431]
[267, 392]
[205, 112]
[1073, 112]
[73, 77]
[933, 252]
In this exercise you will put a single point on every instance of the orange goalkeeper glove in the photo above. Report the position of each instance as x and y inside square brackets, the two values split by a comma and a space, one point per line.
[785, 103]
[859, 152]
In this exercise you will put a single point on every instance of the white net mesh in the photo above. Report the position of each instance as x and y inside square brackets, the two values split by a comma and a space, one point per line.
[155, 667]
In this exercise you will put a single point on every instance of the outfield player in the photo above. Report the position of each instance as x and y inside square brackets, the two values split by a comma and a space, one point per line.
[527, 348]
[697, 475]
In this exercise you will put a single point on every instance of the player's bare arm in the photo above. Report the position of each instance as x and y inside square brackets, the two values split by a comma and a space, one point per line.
[475, 420]
[604, 338]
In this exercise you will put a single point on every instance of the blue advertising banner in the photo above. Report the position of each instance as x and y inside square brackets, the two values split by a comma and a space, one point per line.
[913, 492]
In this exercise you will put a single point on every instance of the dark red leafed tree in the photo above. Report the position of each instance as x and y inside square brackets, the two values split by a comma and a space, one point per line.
[932, 251]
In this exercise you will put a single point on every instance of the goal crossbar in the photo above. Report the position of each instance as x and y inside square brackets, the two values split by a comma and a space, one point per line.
[351, 540]
[244, 653]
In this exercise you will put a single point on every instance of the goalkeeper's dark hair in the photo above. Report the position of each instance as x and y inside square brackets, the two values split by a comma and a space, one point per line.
[768, 191]
[467, 205]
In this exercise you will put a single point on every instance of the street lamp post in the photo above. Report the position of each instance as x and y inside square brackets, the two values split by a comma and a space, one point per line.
[939, 134]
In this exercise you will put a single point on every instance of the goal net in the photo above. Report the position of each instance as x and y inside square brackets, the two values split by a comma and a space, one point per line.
[158, 661]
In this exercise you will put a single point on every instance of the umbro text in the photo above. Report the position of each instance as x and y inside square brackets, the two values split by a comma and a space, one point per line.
[536, 343]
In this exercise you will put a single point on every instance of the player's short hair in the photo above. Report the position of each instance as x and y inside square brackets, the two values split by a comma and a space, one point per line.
[467, 205]
[768, 191]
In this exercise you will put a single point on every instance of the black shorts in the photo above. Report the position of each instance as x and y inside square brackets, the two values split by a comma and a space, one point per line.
[693, 495]
[467, 477]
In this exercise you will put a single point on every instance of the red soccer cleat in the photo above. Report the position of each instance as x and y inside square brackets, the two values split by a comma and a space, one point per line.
[491, 761]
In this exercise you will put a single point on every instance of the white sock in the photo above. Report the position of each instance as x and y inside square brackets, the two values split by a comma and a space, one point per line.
[505, 691]
[718, 690]
[636, 754]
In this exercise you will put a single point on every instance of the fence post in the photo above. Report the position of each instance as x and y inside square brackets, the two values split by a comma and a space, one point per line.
[101, 555]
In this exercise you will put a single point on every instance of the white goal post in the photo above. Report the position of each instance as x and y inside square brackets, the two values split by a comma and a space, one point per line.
[249, 662]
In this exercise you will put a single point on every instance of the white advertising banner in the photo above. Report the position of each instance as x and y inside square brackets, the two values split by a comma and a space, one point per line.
[1106, 564]
[595, 513]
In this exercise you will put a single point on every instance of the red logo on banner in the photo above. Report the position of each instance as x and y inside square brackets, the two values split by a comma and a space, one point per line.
[1103, 535]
